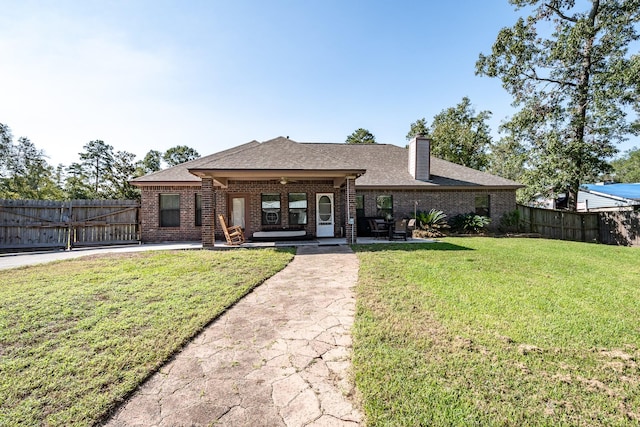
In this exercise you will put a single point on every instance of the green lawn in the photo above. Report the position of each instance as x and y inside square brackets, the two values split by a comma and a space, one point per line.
[482, 331]
[78, 336]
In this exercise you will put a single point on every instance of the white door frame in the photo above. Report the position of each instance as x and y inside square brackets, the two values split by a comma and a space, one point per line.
[325, 227]
[233, 216]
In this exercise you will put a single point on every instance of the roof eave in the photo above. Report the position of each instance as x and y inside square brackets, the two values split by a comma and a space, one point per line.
[437, 187]
[612, 196]
[275, 173]
[181, 183]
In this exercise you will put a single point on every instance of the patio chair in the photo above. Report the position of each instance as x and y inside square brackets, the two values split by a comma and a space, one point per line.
[399, 230]
[377, 229]
[411, 225]
[233, 234]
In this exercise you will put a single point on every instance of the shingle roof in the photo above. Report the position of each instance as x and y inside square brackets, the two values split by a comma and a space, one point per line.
[180, 173]
[276, 154]
[385, 165]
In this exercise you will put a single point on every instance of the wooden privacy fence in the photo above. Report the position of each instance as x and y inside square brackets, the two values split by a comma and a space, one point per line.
[33, 224]
[612, 228]
[556, 224]
[620, 228]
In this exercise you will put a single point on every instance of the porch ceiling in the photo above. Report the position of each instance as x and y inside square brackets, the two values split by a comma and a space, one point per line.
[222, 177]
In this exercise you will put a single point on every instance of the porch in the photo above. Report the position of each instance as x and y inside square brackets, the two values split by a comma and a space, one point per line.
[280, 209]
[328, 241]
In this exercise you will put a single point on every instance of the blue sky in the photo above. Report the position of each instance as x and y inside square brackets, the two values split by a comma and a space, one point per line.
[144, 75]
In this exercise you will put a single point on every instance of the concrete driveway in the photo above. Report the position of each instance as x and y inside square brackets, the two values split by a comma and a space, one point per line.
[20, 259]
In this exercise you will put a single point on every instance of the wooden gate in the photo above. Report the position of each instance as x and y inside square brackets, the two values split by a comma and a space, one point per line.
[40, 224]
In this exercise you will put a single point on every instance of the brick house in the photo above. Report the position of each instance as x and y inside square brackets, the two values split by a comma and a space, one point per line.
[285, 188]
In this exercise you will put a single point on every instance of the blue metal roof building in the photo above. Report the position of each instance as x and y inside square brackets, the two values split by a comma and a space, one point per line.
[609, 196]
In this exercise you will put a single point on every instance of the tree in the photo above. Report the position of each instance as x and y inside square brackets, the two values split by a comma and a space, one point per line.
[627, 168]
[152, 162]
[97, 160]
[419, 127]
[76, 184]
[507, 158]
[29, 176]
[59, 175]
[6, 143]
[361, 136]
[573, 83]
[461, 136]
[179, 154]
[123, 169]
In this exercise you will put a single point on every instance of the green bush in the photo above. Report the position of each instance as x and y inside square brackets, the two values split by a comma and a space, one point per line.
[511, 222]
[469, 223]
[432, 219]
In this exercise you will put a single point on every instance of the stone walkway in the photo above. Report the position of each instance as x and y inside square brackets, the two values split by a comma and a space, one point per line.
[280, 357]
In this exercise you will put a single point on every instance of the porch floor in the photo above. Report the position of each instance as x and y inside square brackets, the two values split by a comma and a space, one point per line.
[327, 241]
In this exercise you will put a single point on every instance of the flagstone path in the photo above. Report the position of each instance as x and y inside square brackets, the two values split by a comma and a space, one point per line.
[279, 357]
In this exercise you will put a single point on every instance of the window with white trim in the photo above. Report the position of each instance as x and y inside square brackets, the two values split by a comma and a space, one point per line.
[297, 208]
[271, 214]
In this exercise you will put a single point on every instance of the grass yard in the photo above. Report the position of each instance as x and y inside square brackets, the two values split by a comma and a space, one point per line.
[482, 331]
[77, 336]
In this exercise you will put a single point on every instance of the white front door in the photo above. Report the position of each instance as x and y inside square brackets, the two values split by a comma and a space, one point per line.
[324, 215]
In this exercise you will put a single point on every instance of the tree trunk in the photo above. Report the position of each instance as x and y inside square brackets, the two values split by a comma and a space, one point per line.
[582, 101]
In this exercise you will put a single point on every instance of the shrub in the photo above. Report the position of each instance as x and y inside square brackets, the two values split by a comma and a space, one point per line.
[430, 223]
[469, 223]
[511, 222]
[432, 219]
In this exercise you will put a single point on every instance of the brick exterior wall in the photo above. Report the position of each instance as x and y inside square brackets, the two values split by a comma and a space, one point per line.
[150, 214]
[451, 202]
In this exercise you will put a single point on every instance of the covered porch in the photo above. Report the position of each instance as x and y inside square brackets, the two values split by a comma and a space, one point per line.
[282, 204]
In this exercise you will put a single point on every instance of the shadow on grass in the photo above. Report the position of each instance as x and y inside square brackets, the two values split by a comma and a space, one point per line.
[410, 247]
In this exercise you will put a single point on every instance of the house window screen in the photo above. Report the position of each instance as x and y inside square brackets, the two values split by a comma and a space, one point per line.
[384, 206]
[198, 219]
[271, 209]
[482, 205]
[359, 205]
[169, 210]
[297, 208]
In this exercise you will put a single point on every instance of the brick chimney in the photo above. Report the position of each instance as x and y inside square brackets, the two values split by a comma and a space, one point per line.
[420, 158]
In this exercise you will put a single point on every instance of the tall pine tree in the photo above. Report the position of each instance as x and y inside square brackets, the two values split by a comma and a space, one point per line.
[568, 68]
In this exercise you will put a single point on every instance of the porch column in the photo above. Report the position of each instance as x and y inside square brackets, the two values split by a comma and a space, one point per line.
[208, 217]
[220, 207]
[350, 226]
